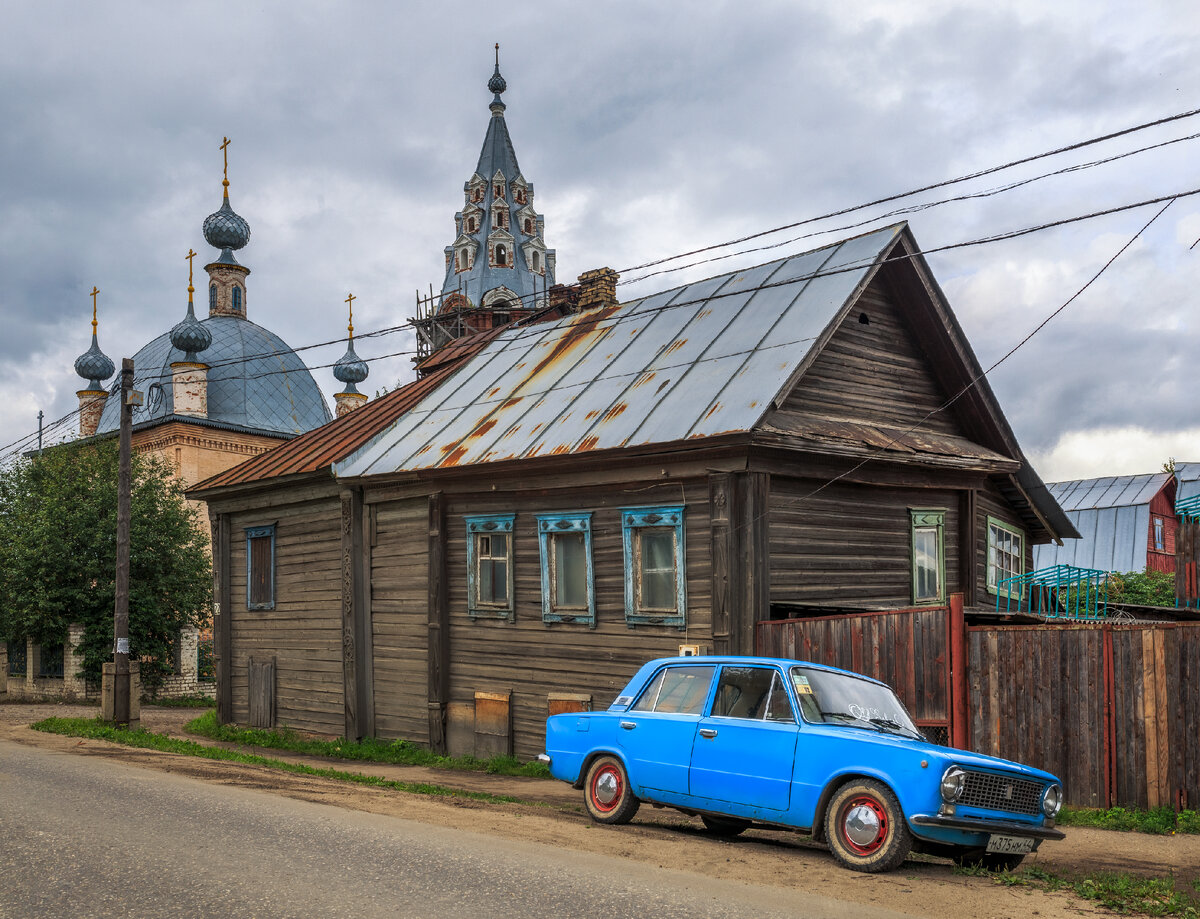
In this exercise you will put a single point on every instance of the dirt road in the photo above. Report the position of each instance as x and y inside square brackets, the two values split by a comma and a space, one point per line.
[657, 837]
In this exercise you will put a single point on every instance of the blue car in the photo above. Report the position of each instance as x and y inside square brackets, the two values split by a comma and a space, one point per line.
[741, 741]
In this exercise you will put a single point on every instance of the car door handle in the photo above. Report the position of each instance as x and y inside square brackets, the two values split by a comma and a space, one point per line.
[628, 725]
[708, 732]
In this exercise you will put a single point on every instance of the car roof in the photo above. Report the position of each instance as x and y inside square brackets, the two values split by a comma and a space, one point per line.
[761, 661]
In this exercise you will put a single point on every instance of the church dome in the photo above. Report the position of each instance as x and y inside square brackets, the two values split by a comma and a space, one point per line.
[226, 230]
[351, 368]
[94, 365]
[256, 382]
[191, 335]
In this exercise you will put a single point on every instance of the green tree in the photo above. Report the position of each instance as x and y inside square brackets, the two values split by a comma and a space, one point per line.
[58, 551]
[1142, 588]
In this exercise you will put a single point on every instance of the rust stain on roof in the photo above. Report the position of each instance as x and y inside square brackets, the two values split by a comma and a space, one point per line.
[455, 456]
[560, 449]
[483, 428]
[424, 449]
[589, 443]
[614, 412]
[675, 346]
[592, 414]
[509, 403]
[644, 379]
[493, 391]
[661, 386]
[585, 326]
[712, 411]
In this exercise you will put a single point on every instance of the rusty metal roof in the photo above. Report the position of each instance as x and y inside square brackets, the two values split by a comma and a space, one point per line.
[700, 360]
[319, 448]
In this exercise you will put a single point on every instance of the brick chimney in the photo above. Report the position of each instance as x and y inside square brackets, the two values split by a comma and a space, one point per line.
[597, 288]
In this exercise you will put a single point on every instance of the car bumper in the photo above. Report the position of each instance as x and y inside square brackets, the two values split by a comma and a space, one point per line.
[1001, 827]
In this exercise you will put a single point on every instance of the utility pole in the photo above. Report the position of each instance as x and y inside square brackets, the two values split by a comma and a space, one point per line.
[41, 415]
[121, 685]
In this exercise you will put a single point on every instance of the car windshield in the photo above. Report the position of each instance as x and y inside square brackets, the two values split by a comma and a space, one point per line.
[839, 698]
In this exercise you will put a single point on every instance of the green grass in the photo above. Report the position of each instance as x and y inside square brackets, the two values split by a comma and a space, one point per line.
[1126, 894]
[1162, 821]
[398, 752]
[181, 702]
[99, 730]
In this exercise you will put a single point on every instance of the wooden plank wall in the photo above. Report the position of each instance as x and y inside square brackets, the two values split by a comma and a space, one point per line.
[1187, 562]
[992, 503]
[535, 659]
[400, 617]
[304, 630]
[1037, 696]
[819, 541]
[1183, 695]
[907, 649]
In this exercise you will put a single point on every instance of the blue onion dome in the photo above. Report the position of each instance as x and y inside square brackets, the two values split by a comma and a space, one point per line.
[190, 336]
[226, 230]
[351, 369]
[94, 365]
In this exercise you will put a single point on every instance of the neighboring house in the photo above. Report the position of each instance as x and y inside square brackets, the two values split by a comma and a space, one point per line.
[556, 502]
[1125, 523]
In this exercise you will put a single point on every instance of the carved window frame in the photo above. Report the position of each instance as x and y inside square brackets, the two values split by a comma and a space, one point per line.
[636, 522]
[549, 527]
[480, 528]
[252, 533]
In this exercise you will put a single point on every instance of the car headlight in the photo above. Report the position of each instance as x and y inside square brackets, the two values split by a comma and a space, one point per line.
[1052, 800]
[953, 780]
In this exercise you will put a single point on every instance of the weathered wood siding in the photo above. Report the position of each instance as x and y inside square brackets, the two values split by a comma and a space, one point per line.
[535, 659]
[851, 545]
[907, 649]
[304, 630]
[399, 616]
[874, 372]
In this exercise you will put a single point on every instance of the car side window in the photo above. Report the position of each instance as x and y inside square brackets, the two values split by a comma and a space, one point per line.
[752, 692]
[676, 690]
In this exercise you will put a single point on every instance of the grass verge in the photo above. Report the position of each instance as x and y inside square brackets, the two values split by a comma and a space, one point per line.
[1163, 821]
[96, 729]
[397, 752]
[1126, 894]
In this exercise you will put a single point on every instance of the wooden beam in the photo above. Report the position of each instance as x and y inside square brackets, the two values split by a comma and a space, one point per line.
[721, 498]
[439, 625]
[753, 556]
[968, 544]
[349, 649]
[363, 619]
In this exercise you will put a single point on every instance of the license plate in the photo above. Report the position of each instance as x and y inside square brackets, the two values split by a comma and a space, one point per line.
[1010, 845]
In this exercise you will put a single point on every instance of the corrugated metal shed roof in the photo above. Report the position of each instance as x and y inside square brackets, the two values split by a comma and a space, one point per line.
[1110, 491]
[1188, 476]
[1112, 515]
[696, 361]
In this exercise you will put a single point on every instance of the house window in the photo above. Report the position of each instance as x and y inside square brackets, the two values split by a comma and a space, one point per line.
[501, 256]
[655, 589]
[490, 566]
[237, 298]
[212, 296]
[568, 581]
[260, 567]
[1006, 556]
[928, 555]
[1160, 536]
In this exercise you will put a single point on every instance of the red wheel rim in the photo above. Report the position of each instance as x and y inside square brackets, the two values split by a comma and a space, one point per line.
[606, 789]
[863, 824]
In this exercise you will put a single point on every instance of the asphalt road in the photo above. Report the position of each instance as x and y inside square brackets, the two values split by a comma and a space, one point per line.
[85, 837]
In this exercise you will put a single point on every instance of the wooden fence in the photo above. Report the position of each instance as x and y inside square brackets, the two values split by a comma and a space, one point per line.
[1114, 710]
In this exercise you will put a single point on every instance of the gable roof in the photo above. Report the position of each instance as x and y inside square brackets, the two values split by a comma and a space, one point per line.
[696, 361]
[1112, 515]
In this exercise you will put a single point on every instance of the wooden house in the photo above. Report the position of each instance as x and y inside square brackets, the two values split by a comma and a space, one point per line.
[553, 504]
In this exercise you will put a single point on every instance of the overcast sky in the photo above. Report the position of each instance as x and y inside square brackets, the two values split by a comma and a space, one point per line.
[647, 129]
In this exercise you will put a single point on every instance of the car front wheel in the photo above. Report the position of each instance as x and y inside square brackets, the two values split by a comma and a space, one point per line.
[865, 828]
[606, 792]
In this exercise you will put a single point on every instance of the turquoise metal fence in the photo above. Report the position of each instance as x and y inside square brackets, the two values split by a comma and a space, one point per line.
[1057, 592]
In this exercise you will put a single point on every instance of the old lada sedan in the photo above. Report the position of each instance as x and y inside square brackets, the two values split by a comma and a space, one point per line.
[746, 742]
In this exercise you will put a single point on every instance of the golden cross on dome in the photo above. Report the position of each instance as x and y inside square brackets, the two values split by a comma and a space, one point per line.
[225, 152]
[350, 303]
[95, 290]
[191, 255]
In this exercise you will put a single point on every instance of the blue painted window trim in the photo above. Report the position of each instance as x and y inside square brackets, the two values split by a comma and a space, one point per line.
[253, 533]
[634, 519]
[548, 526]
[484, 525]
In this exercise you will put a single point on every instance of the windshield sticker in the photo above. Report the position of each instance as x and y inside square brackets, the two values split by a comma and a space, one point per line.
[802, 685]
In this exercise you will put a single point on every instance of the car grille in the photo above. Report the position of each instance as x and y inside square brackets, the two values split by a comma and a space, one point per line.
[1001, 793]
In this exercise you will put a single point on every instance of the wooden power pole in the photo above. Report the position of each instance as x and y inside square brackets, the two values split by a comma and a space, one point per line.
[121, 685]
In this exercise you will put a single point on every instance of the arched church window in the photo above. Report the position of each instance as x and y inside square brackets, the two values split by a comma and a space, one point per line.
[462, 260]
[499, 189]
[212, 296]
[528, 227]
[237, 298]
[537, 262]
[501, 256]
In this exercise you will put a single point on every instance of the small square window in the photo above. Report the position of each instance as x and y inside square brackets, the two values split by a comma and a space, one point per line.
[655, 587]
[489, 566]
[1160, 535]
[568, 581]
[260, 567]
